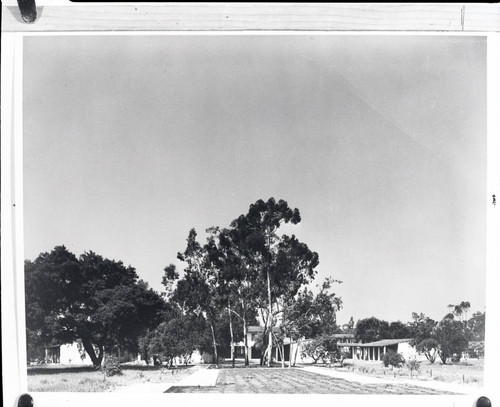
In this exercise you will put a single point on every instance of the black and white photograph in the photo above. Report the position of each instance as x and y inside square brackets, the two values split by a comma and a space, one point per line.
[255, 213]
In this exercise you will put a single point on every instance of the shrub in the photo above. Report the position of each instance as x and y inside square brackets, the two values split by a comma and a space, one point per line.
[323, 348]
[126, 357]
[345, 355]
[336, 356]
[414, 365]
[394, 359]
[476, 349]
[111, 366]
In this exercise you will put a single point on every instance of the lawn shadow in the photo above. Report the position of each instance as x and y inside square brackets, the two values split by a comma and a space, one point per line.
[48, 370]
[57, 369]
[148, 368]
[239, 364]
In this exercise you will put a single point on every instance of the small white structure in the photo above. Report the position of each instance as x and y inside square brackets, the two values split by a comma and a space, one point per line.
[376, 350]
[67, 354]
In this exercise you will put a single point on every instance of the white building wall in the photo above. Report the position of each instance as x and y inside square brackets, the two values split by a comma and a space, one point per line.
[71, 356]
[409, 352]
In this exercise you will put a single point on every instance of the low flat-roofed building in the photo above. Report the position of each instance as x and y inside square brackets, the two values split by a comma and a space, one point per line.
[376, 350]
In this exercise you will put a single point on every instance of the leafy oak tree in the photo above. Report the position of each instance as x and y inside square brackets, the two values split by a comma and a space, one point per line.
[421, 328]
[325, 348]
[429, 347]
[398, 330]
[96, 300]
[451, 339]
[177, 337]
[421, 331]
[476, 325]
[371, 329]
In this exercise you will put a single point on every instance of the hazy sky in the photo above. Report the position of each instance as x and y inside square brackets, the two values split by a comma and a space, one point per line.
[380, 141]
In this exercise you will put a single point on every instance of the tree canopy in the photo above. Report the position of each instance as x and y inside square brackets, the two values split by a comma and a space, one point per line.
[99, 301]
[371, 330]
[240, 274]
[450, 338]
[284, 263]
[248, 269]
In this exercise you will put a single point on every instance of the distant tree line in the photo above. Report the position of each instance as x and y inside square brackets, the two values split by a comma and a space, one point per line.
[448, 339]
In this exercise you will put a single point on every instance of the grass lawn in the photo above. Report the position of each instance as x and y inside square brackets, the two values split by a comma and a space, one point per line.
[291, 381]
[468, 372]
[254, 379]
[60, 378]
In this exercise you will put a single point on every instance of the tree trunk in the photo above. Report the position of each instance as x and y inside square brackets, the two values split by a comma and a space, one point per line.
[296, 352]
[281, 354]
[290, 353]
[214, 343]
[231, 332]
[263, 357]
[270, 337]
[245, 332]
[89, 348]
[282, 346]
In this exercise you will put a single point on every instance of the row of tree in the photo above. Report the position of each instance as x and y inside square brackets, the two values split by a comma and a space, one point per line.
[241, 275]
[248, 272]
[448, 338]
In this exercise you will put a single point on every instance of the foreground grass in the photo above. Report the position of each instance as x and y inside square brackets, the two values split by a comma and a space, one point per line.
[468, 372]
[60, 378]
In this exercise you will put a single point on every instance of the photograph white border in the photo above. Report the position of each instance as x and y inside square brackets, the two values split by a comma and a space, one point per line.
[13, 326]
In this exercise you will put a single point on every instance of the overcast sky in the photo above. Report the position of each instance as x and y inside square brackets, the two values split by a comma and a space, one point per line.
[379, 141]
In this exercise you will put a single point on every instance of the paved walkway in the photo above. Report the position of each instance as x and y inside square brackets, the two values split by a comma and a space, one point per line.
[203, 377]
[428, 384]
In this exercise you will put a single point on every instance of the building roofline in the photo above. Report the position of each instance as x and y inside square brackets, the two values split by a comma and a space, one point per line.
[383, 342]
